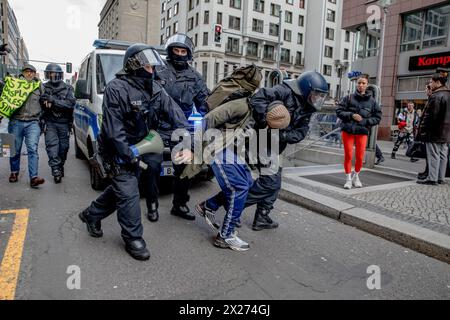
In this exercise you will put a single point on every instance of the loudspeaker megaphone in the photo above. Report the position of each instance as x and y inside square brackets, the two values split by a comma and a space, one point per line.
[151, 144]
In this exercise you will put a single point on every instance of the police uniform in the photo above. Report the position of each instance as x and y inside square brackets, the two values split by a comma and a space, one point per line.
[187, 89]
[132, 106]
[58, 121]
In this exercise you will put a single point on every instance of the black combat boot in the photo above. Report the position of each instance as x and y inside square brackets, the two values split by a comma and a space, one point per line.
[182, 211]
[393, 155]
[57, 175]
[263, 221]
[137, 249]
[153, 214]
[94, 228]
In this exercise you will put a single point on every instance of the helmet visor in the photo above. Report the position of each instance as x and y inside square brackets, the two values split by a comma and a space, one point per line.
[317, 99]
[148, 57]
[53, 76]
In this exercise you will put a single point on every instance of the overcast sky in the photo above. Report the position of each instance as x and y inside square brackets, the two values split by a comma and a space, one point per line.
[58, 30]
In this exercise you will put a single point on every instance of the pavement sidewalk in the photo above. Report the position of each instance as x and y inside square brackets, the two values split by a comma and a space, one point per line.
[391, 205]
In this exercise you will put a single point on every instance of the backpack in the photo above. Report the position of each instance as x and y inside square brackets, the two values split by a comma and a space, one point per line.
[242, 83]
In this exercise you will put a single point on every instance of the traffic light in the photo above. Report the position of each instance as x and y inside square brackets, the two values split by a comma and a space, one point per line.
[217, 33]
[68, 67]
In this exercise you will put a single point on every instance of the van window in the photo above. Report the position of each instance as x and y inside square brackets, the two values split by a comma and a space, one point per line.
[107, 67]
[83, 70]
[89, 76]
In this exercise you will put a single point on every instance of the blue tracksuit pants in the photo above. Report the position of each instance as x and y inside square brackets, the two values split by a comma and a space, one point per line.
[235, 180]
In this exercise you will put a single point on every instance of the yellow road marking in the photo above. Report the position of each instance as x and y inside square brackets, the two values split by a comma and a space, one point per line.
[10, 266]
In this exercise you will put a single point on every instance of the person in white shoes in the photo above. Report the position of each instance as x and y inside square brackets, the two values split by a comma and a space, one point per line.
[358, 112]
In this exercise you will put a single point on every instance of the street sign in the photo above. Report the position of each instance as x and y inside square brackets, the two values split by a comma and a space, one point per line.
[7, 145]
[429, 61]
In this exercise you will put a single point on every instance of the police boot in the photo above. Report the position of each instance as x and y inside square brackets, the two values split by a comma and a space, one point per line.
[94, 228]
[393, 155]
[263, 221]
[57, 176]
[137, 249]
[183, 212]
[153, 214]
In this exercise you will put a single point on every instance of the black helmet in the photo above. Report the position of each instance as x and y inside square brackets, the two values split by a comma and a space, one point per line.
[139, 55]
[180, 40]
[312, 86]
[54, 73]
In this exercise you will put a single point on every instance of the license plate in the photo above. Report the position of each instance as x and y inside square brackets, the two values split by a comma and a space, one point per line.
[167, 172]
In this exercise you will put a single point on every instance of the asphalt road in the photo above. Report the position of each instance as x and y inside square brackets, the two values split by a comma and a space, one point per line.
[308, 257]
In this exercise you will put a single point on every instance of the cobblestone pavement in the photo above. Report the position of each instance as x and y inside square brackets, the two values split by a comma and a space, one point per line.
[424, 202]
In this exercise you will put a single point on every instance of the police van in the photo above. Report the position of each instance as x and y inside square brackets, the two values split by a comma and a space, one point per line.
[96, 71]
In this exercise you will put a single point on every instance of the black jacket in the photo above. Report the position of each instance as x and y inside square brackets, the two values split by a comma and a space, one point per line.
[130, 111]
[365, 106]
[300, 112]
[186, 87]
[434, 125]
[63, 101]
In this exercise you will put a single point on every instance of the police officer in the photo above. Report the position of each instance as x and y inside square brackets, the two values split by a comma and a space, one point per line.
[133, 104]
[302, 97]
[187, 88]
[58, 102]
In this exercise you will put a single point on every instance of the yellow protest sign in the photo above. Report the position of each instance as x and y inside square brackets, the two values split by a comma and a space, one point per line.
[14, 95]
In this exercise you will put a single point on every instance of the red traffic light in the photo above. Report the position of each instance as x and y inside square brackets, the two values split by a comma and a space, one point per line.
[218, 28]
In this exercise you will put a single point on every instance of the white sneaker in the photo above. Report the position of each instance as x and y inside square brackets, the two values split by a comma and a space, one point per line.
[233, 243]
[348, 185]
[356, 182]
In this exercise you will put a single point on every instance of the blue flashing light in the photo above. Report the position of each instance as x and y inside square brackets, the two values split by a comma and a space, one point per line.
[111, 44]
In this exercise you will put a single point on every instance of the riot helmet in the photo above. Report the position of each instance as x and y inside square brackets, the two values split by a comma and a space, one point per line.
[54, 73]
[139, 56]
[312, 86]
[180, 40]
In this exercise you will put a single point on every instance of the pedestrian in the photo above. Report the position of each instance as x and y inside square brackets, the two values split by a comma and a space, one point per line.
[434, 129]
[186, 86]
[58, 101]
[302, 97]
[407, 125]
[232, 172]
[133, 104]
[378, 155]
[423, 175]
[24, 125]
[358, 112]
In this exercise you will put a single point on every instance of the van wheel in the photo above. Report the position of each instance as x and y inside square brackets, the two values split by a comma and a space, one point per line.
[97, 183]
[78, 152]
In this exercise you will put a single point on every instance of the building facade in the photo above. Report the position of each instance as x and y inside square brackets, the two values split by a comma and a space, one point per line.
[253, 31]
[134, 21]
[10, 34]
[416, 42]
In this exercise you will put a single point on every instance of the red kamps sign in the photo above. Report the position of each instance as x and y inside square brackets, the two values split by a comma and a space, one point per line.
[430, 61]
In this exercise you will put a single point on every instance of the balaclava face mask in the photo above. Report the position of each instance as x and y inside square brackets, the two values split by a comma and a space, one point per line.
[179, 62]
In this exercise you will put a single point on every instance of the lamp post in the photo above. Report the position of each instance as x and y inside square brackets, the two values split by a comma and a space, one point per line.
[385, 5]
[279, 40]
[18, 52]
[341, 67]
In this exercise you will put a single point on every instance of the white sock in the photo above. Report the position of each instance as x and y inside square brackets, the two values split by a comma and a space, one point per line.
[349, 177]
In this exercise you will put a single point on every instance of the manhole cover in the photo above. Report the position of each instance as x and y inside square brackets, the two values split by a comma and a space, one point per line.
[368, 178]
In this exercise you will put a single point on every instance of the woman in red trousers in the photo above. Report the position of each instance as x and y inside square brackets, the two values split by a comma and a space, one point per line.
[358, 112]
